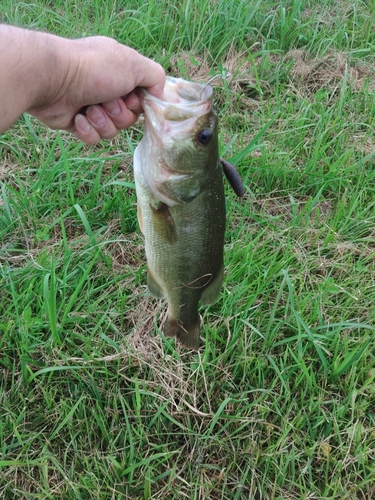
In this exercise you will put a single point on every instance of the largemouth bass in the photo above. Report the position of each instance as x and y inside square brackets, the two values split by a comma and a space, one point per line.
[181, 204]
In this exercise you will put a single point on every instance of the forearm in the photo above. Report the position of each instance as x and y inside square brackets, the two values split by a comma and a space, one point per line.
[74, 85]
[31, 64]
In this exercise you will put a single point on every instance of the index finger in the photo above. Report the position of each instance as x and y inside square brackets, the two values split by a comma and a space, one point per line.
[150, 75]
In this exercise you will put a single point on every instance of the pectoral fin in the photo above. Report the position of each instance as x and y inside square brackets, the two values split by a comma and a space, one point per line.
[233, 177]
[211, 293]
[163, 222]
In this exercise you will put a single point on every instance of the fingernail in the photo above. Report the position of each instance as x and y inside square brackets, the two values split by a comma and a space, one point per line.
[112, 107]
[83, 123]
[96, 115]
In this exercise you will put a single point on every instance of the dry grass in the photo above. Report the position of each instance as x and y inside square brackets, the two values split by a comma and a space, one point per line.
[310, 74]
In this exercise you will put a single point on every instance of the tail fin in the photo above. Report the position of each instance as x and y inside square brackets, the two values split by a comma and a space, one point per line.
[188, 335]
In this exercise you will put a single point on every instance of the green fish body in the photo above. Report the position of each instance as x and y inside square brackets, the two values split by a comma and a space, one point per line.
[181, 204]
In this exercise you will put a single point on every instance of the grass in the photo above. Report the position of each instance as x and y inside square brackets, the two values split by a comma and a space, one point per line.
[280, 401]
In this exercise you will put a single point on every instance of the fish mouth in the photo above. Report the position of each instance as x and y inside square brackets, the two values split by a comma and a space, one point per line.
[185, 93]
[181, 92]
[180, 101]
[170, 120]
[176, 113]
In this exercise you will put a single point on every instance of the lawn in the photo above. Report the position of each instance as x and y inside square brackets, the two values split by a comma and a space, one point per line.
[279, 403]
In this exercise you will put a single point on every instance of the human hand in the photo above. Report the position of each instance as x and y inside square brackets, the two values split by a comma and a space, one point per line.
[92, 95]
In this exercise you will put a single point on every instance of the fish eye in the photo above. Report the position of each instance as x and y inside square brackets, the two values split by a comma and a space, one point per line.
[204, 136]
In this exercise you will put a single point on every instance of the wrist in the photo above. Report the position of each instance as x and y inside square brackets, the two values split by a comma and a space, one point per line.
[51, 65]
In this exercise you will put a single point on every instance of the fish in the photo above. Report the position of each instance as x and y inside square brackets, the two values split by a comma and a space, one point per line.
[180, 202]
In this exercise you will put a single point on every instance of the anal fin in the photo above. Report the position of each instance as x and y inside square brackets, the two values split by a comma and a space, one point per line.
[211, 293]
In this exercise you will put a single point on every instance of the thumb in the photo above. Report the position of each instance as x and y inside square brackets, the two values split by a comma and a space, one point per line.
[150, 75]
